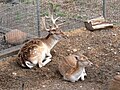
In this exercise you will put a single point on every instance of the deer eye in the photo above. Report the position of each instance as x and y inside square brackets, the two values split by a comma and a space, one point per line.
[76, 57]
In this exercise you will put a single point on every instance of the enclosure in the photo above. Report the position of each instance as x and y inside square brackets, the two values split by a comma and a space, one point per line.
[102, 47]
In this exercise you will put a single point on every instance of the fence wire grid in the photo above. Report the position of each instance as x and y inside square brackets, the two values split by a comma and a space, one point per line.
[22, 14]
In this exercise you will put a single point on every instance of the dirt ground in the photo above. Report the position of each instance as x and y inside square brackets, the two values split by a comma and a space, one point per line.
[102, 47]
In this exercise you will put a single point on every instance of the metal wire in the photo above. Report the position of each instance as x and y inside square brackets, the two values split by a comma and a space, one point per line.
[25, 14]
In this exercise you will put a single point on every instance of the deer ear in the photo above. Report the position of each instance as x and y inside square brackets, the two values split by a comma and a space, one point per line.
[82, 57]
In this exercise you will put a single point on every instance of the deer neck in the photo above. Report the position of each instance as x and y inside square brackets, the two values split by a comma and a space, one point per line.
[51, 41]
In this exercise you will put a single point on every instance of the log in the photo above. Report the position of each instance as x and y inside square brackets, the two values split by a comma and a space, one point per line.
[97, 23]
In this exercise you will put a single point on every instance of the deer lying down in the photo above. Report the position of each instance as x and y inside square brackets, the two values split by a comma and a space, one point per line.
[37, 51]
[73, 67]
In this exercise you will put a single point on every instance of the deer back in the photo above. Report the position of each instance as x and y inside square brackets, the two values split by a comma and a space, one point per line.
[68, 64]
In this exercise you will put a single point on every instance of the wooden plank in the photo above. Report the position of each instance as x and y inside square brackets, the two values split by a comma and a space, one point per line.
[97, 21]
[101, 26]
[10, 51]
[97, 24]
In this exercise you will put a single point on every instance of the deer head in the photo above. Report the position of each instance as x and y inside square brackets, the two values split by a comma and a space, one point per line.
[83, 61]
[54, 28]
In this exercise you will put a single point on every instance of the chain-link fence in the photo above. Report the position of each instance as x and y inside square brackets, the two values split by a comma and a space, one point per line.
[113, 11]
[16, 14]
[22, 14]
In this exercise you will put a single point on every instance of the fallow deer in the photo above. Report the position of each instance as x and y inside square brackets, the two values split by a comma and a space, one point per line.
[72, 67]
[37, 51]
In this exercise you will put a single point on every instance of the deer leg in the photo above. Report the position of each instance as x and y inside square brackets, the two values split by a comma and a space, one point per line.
[83, 74]
[47, 59]
[82, 77]
[79, 74]
[71, 78]
[40, 64]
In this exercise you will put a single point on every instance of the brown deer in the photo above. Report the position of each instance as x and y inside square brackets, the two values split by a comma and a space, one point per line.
[37, 51]
[72, 67]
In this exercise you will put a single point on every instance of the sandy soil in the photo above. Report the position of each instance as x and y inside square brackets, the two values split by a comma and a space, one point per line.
[102, 47]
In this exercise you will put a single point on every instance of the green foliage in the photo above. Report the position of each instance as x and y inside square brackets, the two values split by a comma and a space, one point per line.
[61, 14]
[56, 7]
[18, 16]
[44, 13]
[79, 17]
[57, 10]
[27, 1]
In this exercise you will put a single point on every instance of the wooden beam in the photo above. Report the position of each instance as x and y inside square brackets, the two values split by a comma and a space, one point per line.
[10, 51]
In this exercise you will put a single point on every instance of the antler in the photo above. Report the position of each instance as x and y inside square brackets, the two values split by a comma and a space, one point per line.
[44, 24]
[51, 10]
[51, 17]
[54, 26]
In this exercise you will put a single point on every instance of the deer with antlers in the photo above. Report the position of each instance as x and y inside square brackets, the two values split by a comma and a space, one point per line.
[37, 51]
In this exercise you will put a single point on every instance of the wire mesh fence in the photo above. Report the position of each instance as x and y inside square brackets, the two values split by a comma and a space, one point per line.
[18, 15]
[113, 11]
[25, 15]
[22, 14]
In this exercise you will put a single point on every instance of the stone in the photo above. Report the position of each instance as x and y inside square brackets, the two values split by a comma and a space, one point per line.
[74, 50]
